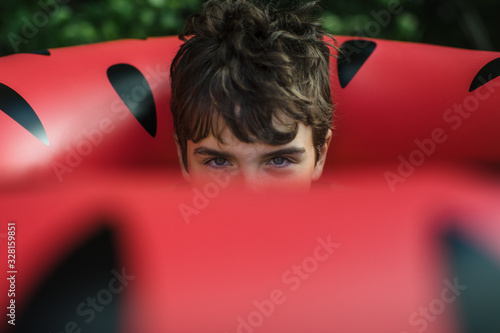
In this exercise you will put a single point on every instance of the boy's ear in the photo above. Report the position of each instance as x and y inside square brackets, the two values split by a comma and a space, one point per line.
[318, 168]
[184, 171]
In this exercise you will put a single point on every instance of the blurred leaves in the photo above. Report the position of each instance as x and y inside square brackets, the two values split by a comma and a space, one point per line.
[469, 24]
[40, 24]
[72, 22]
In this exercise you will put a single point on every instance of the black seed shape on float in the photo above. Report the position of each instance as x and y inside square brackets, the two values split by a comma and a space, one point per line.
[478, 274]
[40, 52]
[352, 56]
[489, 72]
[16, 107]
[63, 299]
[135, 92]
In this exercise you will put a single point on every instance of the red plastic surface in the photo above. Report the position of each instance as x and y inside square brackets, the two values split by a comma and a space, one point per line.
[217, 268]
[405, 98]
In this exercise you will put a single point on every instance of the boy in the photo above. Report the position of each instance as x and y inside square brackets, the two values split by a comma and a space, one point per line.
[251, 95]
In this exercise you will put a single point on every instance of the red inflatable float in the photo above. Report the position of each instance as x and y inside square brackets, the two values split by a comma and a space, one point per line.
[107, 105]
[404, 240]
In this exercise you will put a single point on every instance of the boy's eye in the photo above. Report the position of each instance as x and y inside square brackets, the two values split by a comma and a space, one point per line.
[280, 161]
[217, 162]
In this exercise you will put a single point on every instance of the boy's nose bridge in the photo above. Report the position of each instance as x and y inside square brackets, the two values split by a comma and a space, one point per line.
[249, 177]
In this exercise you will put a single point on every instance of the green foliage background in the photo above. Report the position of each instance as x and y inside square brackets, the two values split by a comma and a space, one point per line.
[40, 24]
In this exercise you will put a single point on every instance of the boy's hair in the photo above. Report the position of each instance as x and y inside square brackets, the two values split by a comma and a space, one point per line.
[251, 67]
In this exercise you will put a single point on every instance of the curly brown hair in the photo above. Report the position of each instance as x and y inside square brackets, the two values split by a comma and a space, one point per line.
[251, 66]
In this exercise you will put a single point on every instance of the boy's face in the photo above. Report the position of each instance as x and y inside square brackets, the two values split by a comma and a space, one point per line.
[256, 166]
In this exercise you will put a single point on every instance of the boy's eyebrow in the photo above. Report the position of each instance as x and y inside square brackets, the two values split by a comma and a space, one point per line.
[286, 151]
[201, 150]
[210, 152]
